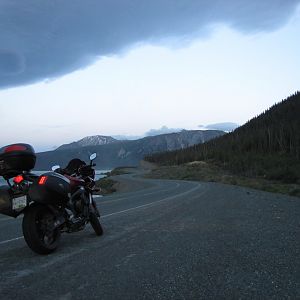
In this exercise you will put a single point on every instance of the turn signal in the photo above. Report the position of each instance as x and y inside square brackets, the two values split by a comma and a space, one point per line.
[18, 179]
[43, 180]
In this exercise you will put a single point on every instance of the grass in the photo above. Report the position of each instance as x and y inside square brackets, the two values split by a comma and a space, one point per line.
[206, 171]
[106, 185]
[119, 171]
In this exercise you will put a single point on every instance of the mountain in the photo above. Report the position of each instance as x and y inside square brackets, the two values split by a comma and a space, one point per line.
[122, 153]
[94, 140]
[266, 146]
[162, 130]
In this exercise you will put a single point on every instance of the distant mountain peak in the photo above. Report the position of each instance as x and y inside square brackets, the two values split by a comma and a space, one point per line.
[94, 140]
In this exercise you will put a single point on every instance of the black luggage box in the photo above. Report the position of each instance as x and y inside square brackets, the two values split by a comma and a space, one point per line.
[10, 204]
[50, 188]
[16, 158]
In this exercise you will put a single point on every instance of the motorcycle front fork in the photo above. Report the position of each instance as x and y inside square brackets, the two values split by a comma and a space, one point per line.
[93, 206]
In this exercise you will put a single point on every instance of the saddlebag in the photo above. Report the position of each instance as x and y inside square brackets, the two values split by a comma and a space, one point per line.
[16, 158]
[11, 205]
[50, 188]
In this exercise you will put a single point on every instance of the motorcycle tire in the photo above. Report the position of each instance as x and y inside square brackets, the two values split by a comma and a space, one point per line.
[94, 220]
[37, 234]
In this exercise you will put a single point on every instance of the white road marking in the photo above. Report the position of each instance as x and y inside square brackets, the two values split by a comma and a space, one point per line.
[11, 240]
[111, 201]
[138, 195]
[152, 203]
[11, 218]
[126, 210]
[159, 191]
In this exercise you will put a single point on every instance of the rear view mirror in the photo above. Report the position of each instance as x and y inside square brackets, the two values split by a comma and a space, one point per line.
[55, 167]
[93, 156]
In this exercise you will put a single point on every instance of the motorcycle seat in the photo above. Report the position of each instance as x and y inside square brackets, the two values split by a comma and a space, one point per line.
[75, 182]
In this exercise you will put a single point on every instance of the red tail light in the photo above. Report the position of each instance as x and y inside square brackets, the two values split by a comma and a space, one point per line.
[14, 148]
[42, 180]
[18, 179]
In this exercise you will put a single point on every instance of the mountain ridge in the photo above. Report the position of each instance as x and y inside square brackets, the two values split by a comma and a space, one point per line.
[93, 140]
[122, 153]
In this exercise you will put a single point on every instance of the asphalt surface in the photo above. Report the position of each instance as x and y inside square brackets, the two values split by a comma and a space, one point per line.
[166, 240]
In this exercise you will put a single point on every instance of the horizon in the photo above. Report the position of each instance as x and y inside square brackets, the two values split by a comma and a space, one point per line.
[160, 131]
[219, 66]
[226, 127]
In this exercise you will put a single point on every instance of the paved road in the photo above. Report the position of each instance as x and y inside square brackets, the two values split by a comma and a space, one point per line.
[166, 240]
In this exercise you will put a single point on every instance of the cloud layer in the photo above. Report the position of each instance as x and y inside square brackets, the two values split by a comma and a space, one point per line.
[162, 130]
[226, 126]
[50, 38]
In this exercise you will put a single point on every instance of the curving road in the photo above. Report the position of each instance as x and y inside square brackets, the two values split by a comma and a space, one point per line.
[166, 240]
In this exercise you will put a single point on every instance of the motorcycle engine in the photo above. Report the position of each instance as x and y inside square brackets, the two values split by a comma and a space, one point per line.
[79, 205]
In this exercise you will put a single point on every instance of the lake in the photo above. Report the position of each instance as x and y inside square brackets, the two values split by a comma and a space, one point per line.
[97, 176]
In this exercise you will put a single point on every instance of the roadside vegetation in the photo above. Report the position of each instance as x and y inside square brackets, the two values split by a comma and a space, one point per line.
[106, 185]
[119, 171]
[210, 172]
[264, 153]
[109, 185]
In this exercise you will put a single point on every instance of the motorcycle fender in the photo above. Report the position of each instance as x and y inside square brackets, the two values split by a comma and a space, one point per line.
[12, 213]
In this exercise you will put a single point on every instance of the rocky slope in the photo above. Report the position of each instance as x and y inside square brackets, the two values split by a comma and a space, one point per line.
[96, 140]
[125, 153]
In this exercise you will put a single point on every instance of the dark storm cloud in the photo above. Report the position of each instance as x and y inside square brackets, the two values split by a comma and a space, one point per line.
[10, 62]
[49, 38]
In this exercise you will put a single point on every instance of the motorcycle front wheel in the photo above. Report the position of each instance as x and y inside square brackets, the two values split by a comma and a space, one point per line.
[94, 220]
[38, 229]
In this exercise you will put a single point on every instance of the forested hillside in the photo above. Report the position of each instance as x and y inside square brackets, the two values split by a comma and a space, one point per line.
[267, 146]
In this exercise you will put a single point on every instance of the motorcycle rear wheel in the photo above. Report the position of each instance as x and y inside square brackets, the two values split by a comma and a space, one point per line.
[39, 236]
[94, 220]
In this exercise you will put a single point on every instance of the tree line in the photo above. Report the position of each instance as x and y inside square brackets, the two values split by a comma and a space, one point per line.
[267, 145]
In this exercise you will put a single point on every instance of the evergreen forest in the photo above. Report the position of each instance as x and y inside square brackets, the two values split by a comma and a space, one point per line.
[267, 146]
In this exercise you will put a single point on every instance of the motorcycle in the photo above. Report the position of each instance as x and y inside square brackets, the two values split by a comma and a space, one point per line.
[52, 203]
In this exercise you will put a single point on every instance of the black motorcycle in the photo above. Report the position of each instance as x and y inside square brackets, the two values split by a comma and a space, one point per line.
[52, 203]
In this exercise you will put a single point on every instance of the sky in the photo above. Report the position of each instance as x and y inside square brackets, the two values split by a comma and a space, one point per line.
[70, 69]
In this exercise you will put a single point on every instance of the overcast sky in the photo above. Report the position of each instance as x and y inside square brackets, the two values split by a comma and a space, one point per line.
[74, 68]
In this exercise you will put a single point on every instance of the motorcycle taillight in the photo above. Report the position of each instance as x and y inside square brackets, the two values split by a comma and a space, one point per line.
[42, 180]
[18, 179]
[14, 148]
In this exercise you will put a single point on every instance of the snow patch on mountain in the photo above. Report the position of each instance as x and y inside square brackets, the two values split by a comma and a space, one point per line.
[95, 140]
